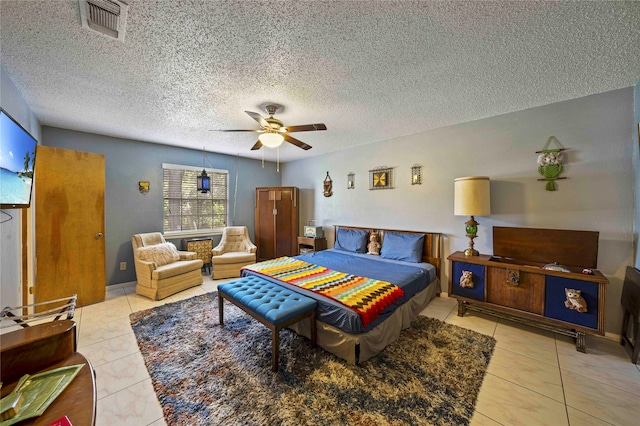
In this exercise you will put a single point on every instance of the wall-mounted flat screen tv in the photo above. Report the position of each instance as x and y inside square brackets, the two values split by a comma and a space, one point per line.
[17, 161]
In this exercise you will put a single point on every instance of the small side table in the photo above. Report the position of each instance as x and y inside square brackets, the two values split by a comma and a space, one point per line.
[202, 247]
[308, 245]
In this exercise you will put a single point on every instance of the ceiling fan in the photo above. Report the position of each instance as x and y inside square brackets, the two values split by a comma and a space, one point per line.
[274, 132]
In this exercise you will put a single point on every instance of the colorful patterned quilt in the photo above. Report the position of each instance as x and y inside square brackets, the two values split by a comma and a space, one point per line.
[366, 296]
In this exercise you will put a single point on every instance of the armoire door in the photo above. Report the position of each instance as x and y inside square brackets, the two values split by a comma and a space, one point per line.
[286, 235]
[69, 203]
[265, 223]
[276, 224]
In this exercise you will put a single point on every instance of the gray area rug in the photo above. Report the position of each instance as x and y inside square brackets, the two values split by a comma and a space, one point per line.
[205, 374]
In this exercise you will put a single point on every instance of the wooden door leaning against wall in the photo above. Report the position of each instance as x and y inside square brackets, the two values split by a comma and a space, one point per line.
[69, 203]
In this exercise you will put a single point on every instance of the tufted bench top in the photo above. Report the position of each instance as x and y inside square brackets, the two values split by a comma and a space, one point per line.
[274, 303]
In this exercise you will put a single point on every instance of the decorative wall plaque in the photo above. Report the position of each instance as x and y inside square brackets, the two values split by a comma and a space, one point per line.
[381, 178]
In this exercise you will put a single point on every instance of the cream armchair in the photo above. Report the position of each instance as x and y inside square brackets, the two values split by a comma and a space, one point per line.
[234, 251]
[161, 269]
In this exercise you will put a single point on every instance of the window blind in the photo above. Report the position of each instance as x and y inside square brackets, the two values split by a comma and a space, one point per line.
[186, 208]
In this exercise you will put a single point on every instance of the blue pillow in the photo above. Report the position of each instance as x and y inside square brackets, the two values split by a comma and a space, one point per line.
[352, 240]
[402, 246]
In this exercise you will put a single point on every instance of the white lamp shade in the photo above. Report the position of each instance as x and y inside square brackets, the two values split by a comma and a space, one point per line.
[472, 196]
[272, 140]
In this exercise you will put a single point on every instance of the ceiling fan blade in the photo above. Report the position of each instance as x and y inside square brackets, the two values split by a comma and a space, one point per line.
[296, 142]
[257, 146]
[306, 127]
[258, 118]
[252, 131]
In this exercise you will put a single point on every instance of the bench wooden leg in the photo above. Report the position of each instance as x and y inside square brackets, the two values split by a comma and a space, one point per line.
[275, 348]
[314, 328]
[220, 309]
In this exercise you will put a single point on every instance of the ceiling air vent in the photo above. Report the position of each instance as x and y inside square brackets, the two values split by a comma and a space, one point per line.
[107, 17]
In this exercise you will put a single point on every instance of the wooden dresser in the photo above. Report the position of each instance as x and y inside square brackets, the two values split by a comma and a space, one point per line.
[44, 347]
[514, 284]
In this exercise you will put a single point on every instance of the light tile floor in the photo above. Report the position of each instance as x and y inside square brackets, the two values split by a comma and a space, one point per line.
[534, 377]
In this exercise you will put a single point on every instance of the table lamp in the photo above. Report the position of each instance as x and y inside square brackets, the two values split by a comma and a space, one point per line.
[472, 198]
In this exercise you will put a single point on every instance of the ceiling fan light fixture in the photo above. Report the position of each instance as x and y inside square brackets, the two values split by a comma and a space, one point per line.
[271, 140]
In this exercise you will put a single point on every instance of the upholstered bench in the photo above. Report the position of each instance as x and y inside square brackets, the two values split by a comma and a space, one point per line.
[273, 305]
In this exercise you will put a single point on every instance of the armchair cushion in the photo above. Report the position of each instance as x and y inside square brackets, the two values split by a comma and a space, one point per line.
[176, 269]
[160, 254]
[235, 257]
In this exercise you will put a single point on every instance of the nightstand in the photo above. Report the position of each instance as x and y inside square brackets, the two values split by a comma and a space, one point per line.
[308, 245]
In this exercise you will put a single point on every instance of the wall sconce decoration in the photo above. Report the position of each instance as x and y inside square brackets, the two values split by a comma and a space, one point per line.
[143, 187]
[472, 197]
[351, 180]
[381, 178]
[204, 182]
[328, 186]
[550, 163]
[416, 174]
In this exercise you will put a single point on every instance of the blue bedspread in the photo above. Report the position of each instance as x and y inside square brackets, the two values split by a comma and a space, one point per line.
[410, 277]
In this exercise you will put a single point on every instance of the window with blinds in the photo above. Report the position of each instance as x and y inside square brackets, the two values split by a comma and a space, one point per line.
[185, 208]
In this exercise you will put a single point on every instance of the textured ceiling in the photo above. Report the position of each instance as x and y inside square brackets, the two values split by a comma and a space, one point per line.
[369, 70]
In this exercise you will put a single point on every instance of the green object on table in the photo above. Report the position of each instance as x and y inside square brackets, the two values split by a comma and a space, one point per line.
[40, 390]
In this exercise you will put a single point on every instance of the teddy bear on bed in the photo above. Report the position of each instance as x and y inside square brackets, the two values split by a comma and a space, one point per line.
[466, 280]
[374, 246]
[574, 300]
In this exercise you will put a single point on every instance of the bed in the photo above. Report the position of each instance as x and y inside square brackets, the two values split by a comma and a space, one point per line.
[411, 260]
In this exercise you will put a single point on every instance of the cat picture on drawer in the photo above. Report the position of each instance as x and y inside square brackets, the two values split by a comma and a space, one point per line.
[574, 300]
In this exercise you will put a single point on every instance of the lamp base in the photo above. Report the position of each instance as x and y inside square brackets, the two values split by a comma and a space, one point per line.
[471, 226]
[471, 252]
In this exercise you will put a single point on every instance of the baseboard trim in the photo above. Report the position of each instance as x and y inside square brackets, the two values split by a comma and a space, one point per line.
[121, 285]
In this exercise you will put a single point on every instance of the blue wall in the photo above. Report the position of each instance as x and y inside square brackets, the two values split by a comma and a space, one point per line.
[129, 212]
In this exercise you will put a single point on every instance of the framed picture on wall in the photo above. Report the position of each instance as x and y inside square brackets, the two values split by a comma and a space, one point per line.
[381, 178]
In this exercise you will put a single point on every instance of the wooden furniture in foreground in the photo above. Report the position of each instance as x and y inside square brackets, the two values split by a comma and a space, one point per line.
[630, 334]
[273, 305]
[45, 347]
[518, 288]
[308, 245]
[276, 224]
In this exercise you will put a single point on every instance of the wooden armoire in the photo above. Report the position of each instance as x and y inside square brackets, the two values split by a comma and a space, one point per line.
[276, 222]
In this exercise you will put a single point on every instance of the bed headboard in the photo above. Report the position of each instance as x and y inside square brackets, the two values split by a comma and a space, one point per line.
[431, 250]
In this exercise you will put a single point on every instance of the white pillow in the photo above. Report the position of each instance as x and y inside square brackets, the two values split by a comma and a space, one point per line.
[160, 254]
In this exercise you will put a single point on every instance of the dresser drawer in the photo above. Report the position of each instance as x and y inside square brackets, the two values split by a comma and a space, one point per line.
[555, 297]
[475, 293]
[516, 289]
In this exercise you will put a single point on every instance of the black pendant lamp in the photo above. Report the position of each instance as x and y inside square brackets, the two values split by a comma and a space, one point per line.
[204, 183]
